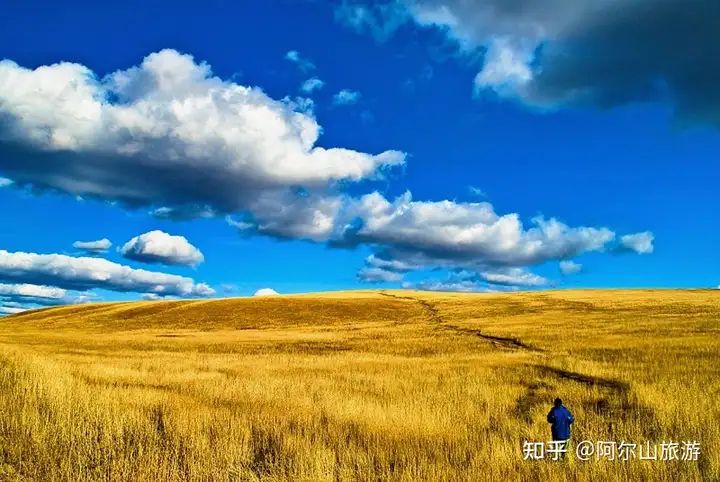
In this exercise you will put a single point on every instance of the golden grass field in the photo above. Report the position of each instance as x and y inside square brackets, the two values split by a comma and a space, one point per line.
[395, 385]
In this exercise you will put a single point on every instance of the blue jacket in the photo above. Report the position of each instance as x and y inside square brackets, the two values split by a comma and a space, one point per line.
[561, 419]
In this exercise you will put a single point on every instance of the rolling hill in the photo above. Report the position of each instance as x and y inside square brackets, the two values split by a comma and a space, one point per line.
[365, 385]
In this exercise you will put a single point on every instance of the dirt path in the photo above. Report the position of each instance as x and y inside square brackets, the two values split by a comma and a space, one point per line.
[589, 380]
[433, 315]
[614, 401]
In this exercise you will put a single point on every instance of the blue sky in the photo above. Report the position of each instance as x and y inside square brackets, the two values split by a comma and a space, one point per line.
[504, 123]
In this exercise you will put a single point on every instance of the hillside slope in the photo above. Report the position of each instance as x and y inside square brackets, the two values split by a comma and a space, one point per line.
[368, 385]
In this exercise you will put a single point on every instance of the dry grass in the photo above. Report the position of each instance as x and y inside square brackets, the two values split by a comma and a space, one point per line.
[357, 386]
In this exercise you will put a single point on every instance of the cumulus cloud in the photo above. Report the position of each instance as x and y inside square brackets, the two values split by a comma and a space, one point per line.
[490, 250]
[303, 105]
[303, 63]
[378, 275]
[5, 182]
[641, 243]
[561, 52]
[170, 136]
[266, 292]
[451, 285]
[464, 286]
[86, 273]
[11, 310]
[150, 297]
[489, 282]
[311, 85]
[379, 261]
[25, 293]
[33, 291]
[568, 267]
[166, 134]
[15, 298]
[293, 214]
[513, 277]
[346, 97]
[93, 247]
[160, 247]
[447, 233]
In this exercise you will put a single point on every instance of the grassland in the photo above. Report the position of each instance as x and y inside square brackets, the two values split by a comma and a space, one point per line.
[396, 385]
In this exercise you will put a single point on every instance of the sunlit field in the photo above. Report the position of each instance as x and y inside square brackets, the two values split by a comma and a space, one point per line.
[394, 385]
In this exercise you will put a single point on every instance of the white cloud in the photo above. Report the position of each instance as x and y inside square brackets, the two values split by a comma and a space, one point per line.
[377, 275]
[5, 182]
[95, 247]
[303, 63]
[11, 310]
[568, 267]
[169, 135]
[389, 264]
[447, 233]
[86, 273]
[513, 277]
[160, 247]
[346, 97]
[303, 105]
[151, 297]
[27, 295]
[490, 250]
[296, 215]
[311, 85]
[505, 68]
[641, 243]
[379, 19]
[266, 292]
[31, 291]
[165, 134]
[292, 215]
[461, 286]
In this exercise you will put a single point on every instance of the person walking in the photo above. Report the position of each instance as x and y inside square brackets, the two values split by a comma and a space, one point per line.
[560, 420]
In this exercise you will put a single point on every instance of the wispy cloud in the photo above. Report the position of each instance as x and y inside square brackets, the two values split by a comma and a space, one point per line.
[346, 97]
[311, 85]
[476, 191]
[303, 63]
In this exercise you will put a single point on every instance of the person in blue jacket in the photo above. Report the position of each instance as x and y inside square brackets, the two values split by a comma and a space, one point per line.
[560, 419]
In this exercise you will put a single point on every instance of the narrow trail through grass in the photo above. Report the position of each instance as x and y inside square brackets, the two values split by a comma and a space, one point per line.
[619, 402]
[433, 315]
